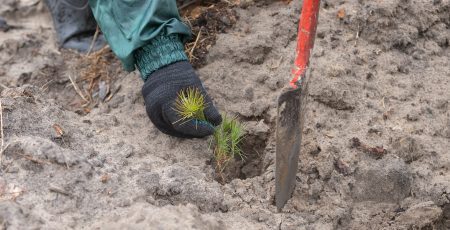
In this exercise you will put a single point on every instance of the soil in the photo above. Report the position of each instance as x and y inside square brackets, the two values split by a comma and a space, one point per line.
[206, 21]
[375, 150]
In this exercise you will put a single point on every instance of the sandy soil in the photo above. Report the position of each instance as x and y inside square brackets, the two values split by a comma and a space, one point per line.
[375, 153]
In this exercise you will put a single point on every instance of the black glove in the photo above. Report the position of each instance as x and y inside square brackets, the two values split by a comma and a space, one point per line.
[160, 92]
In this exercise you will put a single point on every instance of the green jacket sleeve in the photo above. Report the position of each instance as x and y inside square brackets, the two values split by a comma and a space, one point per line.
[131, 24]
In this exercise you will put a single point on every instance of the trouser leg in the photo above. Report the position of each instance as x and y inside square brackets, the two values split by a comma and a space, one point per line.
[75, 24]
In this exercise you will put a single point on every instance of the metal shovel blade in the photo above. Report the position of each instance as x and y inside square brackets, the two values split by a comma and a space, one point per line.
[290, 107]
[289, 134]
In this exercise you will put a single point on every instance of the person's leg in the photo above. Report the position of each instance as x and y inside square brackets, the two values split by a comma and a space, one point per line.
[74, 24]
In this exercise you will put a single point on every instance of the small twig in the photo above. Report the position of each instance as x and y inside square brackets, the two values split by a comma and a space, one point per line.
[46, 84]
[357, 34]
[112, 93]
[97, 31]
[4, 86]
[55, 189]
[30, 158]
[75, 86]
[188, 22]
[195, 43]
[1, 132]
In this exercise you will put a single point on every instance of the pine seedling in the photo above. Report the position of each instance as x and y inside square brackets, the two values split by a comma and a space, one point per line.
[190, 104]
[228, 137]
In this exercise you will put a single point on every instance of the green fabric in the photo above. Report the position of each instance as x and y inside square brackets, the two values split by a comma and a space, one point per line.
[160, 51]
[130, 24]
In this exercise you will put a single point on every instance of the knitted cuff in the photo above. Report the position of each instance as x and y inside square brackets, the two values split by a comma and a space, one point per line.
[160, 51]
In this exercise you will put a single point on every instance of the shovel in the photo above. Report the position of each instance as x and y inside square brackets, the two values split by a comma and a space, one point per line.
[291, 108]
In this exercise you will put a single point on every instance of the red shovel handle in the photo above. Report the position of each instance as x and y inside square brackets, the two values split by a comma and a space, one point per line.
[305, 39]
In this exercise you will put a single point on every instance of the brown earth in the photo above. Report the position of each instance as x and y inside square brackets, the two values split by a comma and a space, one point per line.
[375, 153]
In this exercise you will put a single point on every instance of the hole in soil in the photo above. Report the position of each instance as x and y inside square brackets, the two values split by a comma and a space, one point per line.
[252, 165]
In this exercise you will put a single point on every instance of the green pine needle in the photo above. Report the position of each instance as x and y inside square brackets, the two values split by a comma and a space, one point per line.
[190, 104]
[228, 137]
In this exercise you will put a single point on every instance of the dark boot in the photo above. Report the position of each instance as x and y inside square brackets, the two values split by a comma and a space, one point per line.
[75, 24]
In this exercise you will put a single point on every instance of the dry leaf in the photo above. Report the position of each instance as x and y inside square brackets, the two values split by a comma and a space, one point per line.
[59, 131]
[341, 14]
[104, 178]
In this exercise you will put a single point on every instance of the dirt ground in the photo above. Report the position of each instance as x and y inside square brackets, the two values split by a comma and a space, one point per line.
[375, 153]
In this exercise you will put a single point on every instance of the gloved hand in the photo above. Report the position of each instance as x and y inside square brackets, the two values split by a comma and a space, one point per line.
[160, 92]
